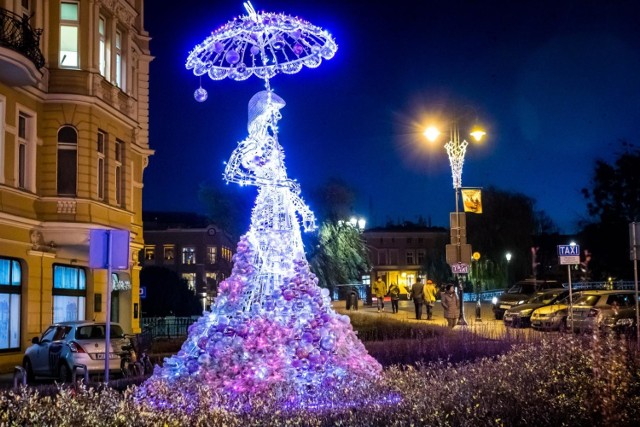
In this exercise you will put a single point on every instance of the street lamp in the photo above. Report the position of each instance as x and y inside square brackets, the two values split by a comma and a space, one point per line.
[508, 257]
[456, 150]
[358, 223]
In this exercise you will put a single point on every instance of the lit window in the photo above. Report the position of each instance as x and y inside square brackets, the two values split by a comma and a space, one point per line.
[69, 34]
[10, 301]
[190, 278]
[69, 293]
[119, 60]
[188, 255]
[226, 253]
[212, 254]
[100, 150]
[102, 47]
[149, 253]
[67, 161]
[169, 254]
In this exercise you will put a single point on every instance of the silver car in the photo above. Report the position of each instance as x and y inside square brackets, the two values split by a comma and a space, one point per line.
[593, 308]
[66, 345]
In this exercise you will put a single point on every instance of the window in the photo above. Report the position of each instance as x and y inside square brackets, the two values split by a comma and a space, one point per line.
[421, 257]
[69, 293]
[10, 291]
[26, 9]
[69, 34]
[102, 46]
[22, 150]
[188, 255]
[118, 173]
[212, 254]
[119, 60]
[67, 161]
[382, 257]
[393, 257]
[100, 150]
[190, 278]
[149, 253]
[410, 258]
[2, 130]
[226, 253]
[169, 254]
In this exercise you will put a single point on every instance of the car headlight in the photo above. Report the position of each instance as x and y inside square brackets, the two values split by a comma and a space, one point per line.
[624, 322]
[494, 300]
[526, 312]
[521, 302]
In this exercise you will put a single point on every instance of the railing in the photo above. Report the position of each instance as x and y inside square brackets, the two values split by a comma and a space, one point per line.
[340, 291]
[605, 284]
[168, 327]
[482, 296]
[16, 34]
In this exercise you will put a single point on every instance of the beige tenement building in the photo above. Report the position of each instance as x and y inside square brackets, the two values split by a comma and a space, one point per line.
[74, 142]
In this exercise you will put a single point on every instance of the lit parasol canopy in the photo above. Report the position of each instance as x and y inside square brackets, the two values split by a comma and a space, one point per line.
[261, 44]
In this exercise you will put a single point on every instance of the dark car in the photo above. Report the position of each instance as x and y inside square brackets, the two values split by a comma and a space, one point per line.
[519, 316]
[622, 322]
[592, 310]
[519, 293]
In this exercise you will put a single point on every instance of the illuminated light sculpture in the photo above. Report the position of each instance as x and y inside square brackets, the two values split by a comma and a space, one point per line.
[271, 325]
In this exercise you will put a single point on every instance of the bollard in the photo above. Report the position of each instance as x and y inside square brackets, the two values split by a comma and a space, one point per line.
[19, 372]
[478, 311]
[86, 373]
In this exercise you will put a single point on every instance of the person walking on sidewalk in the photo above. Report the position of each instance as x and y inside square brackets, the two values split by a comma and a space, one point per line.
[429, 298]
[451, 305]
[418, 297]
[379, 290]
[394, 293]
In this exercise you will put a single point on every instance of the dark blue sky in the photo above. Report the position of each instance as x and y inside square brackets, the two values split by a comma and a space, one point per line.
[556, 84]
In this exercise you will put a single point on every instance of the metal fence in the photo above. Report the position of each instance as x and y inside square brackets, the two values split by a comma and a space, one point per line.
[167, 327]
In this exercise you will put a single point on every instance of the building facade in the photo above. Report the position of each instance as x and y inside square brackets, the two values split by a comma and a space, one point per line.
[200, 253]
[74, 142]
[399, 253]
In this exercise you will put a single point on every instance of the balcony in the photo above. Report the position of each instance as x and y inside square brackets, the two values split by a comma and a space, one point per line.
[20, 55]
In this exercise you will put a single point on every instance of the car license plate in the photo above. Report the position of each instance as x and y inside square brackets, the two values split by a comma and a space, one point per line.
[100, 356]
[536, 323]
[506, 307]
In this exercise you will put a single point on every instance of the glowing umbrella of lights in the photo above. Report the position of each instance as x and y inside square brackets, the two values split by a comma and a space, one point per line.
[261, 44]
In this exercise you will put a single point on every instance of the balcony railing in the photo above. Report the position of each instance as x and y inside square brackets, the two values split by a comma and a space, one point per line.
[16, 34]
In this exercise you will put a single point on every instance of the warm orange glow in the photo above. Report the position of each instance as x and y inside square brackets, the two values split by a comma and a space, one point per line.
[432, 133]
[477, 134]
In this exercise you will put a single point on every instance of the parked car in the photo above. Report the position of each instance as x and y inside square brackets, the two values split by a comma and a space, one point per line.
[519, 293]
[552, 317]
[67, 344]
[592, 310]
[519, 316]
[622, 322]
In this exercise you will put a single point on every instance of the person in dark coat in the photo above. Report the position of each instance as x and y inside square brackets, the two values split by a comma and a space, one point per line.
[394, 293]
[450, 305]
[417, 294]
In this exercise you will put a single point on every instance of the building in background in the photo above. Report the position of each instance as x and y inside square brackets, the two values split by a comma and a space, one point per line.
[74, 142]
[400, 253]
[200, 253]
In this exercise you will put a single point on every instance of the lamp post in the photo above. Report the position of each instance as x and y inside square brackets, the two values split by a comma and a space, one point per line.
[508, 257]
[456, 150]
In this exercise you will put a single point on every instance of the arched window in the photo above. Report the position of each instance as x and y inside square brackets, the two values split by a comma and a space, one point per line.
[67, 161]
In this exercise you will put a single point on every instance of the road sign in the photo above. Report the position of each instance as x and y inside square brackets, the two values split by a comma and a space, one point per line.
[569, 254]
[143, 292]
[460, 268]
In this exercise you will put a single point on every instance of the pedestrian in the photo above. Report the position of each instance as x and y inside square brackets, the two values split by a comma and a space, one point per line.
[379, 290]
[429, 292]
[394, 293]
[418, 297]
[450, 305]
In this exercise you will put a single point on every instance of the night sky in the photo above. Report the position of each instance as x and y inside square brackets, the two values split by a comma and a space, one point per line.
[555, 84]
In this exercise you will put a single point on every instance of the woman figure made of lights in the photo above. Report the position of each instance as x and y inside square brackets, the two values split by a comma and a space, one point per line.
[271, 327]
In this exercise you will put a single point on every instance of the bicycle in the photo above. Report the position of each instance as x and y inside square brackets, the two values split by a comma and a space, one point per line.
[129, 365]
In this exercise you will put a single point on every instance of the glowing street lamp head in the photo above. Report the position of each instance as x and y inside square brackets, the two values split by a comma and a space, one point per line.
[477, 134]
[431, 133]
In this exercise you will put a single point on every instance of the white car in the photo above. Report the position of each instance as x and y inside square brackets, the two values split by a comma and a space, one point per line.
[66, 345]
